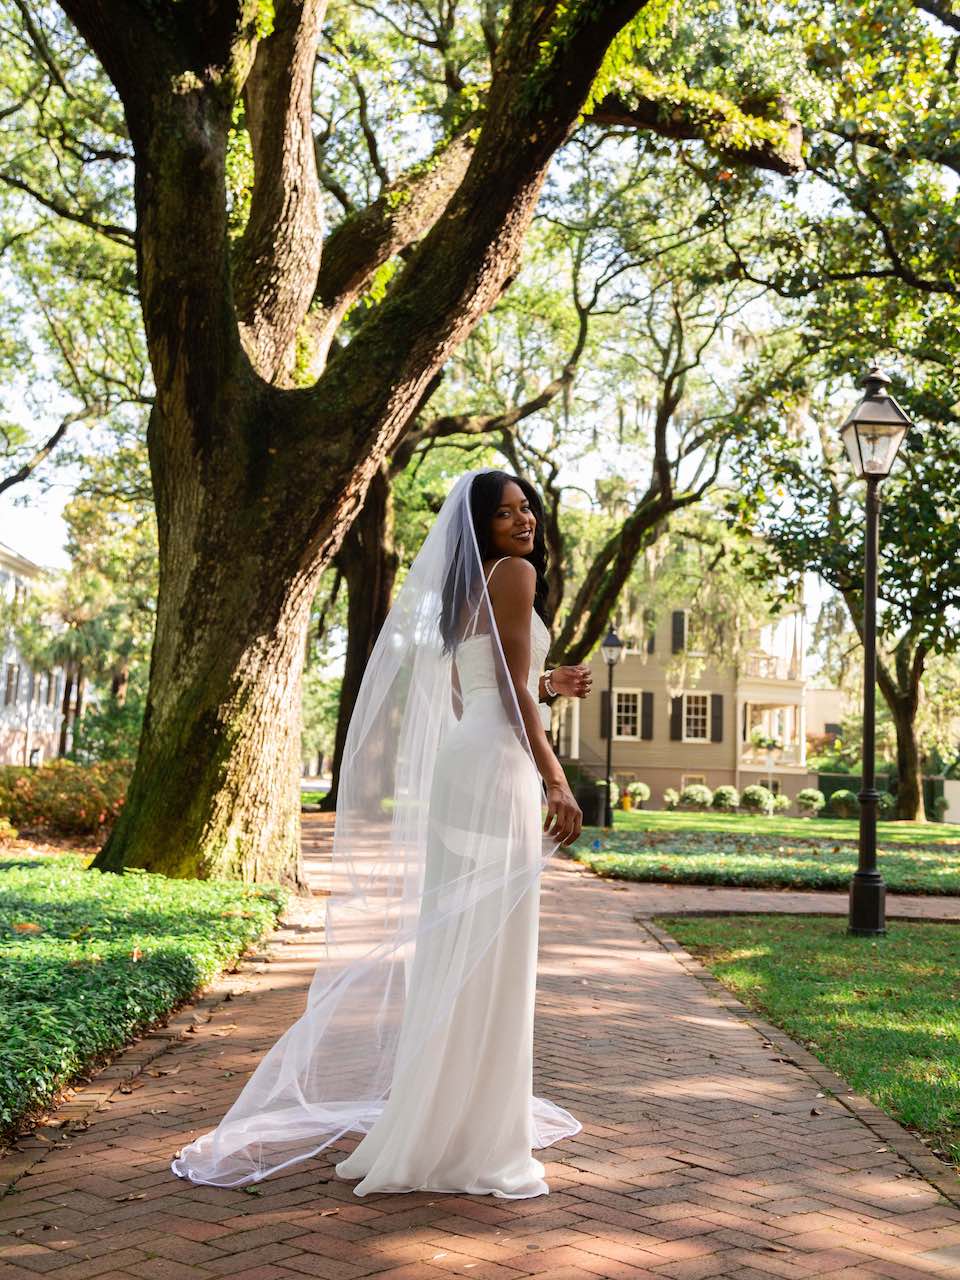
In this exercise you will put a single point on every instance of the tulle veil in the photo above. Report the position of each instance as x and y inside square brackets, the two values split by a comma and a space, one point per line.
[403, 875]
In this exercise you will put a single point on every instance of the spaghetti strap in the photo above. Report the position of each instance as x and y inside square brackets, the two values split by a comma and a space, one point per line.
[486, 577]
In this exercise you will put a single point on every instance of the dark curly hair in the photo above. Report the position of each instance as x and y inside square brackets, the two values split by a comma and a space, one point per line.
[486, 492]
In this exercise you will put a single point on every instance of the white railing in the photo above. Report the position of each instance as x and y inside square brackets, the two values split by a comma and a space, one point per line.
[767, 666]
[757, 756]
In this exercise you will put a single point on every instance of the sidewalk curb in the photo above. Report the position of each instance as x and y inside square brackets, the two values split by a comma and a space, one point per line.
[888, 1130]
[129, 1063]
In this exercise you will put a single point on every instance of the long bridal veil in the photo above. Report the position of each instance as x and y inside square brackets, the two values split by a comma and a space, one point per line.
[411, 869]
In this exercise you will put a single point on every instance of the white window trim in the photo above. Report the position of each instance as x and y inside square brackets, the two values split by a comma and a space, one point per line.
[627, 737]
[693, 779]
[697, 693]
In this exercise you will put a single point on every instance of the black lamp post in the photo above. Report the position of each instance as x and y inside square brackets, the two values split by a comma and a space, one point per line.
[872, 435]
[612, 648]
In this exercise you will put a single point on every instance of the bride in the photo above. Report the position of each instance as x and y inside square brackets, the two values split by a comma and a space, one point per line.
[418, 1031]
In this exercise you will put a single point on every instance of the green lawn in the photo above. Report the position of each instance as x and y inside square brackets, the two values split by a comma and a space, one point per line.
[89, 959]
[768, 853]
[883, 1013]
[779, 827]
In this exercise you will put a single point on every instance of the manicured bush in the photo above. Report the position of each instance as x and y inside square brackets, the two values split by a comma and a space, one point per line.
[757, 799]
[696, 796]
[781, 803]
[639, 793]
[671, 798]
[63, 797]
[940, 806]
[843, 804]
[109, 732]
[810, 801]
[726, 798]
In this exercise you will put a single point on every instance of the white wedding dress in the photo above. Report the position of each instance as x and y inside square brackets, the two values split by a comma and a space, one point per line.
[460, 1115]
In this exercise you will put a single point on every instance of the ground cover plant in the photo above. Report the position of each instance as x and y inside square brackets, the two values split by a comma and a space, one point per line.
[88, 959]
[883, 1013]
[767, 859]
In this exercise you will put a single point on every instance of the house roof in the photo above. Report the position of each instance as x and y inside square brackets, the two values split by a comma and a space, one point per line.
[18, 562]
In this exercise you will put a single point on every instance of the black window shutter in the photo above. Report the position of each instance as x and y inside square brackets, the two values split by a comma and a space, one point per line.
[676, 719]
[716, 717]
[646, 715]
[679, 636]
[604, 713]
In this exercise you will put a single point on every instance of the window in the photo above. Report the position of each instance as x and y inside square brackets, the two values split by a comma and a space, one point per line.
[693, 779]
[51, 689]
[696, 715]
[628, 715]
[12, 684]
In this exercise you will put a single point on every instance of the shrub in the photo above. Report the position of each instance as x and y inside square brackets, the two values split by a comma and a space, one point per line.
[726, 798]
[63, 797]
[639, 793]
[757, 799]
[696, 796]
[781, 803]
[671, 798]
[843, 804]
[7, 832]
[940, 806]
[810, 801]
[886, 804]
[108, 733]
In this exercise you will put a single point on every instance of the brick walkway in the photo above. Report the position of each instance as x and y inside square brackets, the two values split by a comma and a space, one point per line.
[706, 1149]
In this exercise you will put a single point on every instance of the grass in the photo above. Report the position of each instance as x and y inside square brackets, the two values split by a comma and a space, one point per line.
[89, 959]
[779, 827]
[768, 853]
[883, 1013]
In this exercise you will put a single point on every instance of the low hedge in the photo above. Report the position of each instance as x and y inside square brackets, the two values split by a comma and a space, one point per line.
[62, 797]
[90, 959]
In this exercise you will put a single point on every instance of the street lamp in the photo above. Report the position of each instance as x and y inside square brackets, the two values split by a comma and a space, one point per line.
[872, 436]
[612, 649]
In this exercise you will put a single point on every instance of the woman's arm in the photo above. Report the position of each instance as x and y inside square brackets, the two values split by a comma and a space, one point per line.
[511, 595]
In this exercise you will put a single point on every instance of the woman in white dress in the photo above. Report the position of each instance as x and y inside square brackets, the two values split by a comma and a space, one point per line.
[418, 1032]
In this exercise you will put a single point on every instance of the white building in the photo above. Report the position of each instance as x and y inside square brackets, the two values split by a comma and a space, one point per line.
[30, 701]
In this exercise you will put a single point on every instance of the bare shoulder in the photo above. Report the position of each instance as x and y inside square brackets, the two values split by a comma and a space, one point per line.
[514, 583]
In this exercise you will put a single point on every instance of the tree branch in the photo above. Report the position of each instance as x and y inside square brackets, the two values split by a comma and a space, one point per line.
[364, 241]
[118, 234]
[278, 256]
[702, 119]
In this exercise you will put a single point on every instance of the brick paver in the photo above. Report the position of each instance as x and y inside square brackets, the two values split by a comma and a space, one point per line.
[706, 1149]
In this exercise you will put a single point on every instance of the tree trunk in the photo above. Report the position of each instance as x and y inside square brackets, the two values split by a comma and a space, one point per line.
[909, 768]
[901, 691]
[81, 683]
[368, 562]
[215, 793]
[120, 683]
[65, 709]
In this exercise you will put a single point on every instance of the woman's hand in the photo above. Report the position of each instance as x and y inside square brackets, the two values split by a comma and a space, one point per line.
[563, 813]
[572, 682]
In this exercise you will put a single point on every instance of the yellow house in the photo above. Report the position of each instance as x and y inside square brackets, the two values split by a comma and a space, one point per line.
[727, 724]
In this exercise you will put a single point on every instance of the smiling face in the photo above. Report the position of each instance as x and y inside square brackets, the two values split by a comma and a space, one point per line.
[513, 523]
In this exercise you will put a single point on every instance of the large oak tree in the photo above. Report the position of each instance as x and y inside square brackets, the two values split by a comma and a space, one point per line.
[257, 469]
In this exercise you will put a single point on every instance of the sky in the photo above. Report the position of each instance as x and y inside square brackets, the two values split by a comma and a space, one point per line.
[37, 531]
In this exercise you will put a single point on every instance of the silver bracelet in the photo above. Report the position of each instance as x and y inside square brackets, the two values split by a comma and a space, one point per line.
[548, 683]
